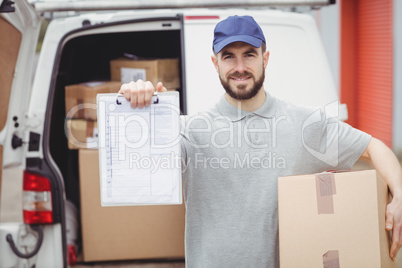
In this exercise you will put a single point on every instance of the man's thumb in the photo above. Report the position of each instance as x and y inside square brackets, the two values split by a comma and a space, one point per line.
[389, 221]
[160, 87]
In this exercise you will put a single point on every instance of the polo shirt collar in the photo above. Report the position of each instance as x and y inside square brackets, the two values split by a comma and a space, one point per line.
[267, 110]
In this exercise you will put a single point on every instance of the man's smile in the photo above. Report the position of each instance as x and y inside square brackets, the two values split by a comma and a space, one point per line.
[240, 78]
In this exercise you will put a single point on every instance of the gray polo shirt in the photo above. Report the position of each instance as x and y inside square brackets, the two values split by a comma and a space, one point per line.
[231, 162]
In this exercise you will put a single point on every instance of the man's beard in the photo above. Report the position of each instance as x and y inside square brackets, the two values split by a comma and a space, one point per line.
[242, 93]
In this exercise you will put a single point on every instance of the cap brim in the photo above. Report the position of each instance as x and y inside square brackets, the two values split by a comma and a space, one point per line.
[255, 42]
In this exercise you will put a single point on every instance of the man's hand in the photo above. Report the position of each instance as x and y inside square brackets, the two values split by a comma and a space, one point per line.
[386, 163]
[139, 93]
[393, 222]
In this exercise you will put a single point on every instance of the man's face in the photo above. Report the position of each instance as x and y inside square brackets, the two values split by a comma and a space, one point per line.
[241, 69]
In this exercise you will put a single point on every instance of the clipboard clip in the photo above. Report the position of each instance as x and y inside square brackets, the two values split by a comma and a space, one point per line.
[155, 98]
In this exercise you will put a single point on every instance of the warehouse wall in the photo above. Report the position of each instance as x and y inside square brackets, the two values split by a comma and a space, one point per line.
[328, 21]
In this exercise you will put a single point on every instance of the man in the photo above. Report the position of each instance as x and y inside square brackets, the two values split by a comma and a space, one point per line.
[234, 153]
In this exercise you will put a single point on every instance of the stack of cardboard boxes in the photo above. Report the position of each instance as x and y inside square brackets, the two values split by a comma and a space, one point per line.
[81, 98]
[160, 70]
[129, 232]
[81, 112]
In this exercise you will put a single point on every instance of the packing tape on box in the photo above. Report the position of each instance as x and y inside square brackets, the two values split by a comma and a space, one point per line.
[80, 111]
[325, 188]
[90, 128]
[331, 259]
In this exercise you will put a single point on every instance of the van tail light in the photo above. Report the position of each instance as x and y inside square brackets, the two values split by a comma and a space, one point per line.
[71, 255]
[37, 199]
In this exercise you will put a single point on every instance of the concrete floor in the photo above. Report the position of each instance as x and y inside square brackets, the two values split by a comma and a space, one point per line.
[132, 265]
[11, 208]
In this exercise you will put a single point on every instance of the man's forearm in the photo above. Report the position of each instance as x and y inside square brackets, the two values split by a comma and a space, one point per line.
[385, 162]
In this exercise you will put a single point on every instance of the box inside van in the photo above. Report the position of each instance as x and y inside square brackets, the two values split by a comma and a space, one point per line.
[87, 57]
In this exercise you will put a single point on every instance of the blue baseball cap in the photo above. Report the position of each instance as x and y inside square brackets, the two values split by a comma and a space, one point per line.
[237, 29]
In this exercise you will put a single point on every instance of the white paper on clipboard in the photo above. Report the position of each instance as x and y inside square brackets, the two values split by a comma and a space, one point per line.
[139, 151]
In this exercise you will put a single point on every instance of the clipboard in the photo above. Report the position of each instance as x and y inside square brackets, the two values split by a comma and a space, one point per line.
[139, 151]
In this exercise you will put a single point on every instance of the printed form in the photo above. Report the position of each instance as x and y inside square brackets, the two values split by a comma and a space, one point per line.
[139, 151]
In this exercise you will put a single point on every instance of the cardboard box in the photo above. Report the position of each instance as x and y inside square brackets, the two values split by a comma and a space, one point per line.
[81, 98]
[157, 70]
[333, 218]
[82, 134]
[129, 232]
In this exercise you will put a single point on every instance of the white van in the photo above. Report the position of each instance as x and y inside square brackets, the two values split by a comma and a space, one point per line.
[78, 48]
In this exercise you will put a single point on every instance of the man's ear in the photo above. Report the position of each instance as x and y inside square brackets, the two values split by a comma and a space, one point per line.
[266, 57]
[215, 62]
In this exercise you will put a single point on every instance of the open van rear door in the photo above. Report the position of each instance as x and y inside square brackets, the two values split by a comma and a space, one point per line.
[19, 28]
[19, 31]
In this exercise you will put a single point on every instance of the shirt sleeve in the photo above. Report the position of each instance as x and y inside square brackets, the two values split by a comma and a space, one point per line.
[352, 144]
[335, 144]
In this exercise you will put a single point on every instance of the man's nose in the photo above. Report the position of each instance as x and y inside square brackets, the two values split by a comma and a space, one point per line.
[240, 66]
